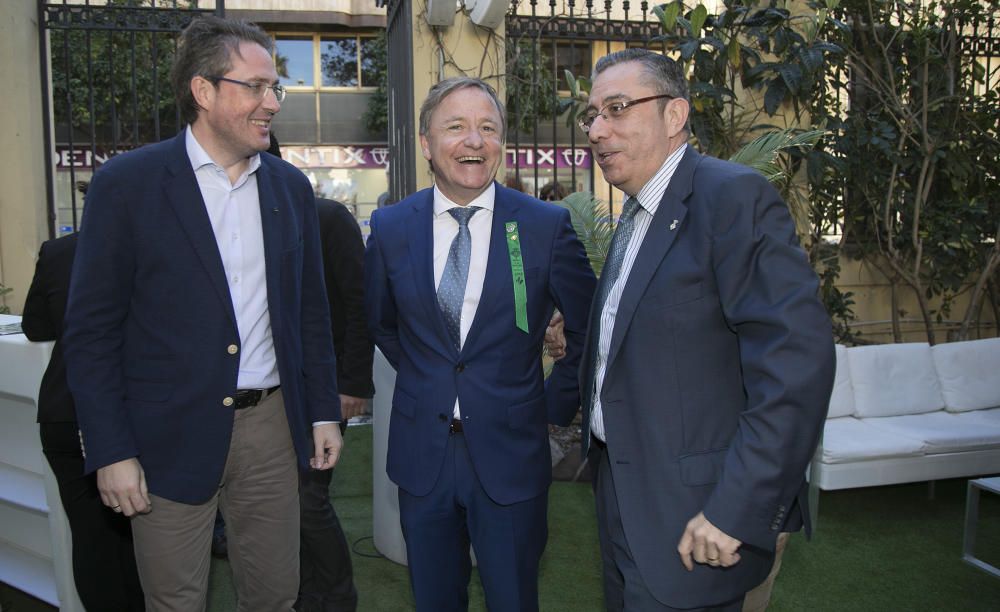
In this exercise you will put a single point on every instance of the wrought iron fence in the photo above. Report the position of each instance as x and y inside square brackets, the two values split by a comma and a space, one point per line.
[110, 91]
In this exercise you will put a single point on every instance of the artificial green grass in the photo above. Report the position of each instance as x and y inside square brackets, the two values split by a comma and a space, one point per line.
[875, 549]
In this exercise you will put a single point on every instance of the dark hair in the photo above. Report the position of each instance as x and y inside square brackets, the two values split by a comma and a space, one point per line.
[205, 48]
[444, 88]
[663, 74]
[552, 192]
[512, 182]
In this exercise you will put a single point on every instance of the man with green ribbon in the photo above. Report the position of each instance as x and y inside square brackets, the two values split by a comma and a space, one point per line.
[461, 280]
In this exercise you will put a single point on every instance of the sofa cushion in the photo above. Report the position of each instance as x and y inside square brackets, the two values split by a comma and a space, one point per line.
[969, 373]
[894, 379]
[842, 398]
[941, 432]
[985, 418]
[848, 439]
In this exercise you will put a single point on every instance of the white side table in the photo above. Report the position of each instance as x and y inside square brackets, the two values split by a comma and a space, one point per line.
[972, 520]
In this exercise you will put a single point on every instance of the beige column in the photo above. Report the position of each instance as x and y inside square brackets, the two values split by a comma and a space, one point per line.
[23, 208]
[439, 52]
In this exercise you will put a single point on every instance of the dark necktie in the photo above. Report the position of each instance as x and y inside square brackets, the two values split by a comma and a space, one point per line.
[609, 274]
[451, 289]
[616, 256]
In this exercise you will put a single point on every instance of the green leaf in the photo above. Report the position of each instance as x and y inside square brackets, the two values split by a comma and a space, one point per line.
[698, 16]
[774, 96]
[733, 51]
[670, 14]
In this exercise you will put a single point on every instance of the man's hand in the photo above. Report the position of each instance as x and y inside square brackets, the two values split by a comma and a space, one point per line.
[351, 406]
[123, 487]
[327, 443]
[555, 337]
[706, 543]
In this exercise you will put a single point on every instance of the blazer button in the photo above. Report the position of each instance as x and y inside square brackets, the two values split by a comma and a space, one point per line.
[227, 402]
[232, 349]
[460, 367]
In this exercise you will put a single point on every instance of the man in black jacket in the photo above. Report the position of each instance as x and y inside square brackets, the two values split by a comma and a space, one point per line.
[103, 559]
[327, 582]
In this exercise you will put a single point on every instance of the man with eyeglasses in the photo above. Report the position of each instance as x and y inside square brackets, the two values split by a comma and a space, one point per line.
[709, 359]
[197, 342]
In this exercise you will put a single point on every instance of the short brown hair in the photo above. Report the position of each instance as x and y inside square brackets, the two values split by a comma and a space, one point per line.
[205, 49]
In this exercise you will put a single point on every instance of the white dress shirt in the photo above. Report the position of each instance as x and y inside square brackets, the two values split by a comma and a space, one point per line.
[649, 200]
[234, 211]
[445, 230]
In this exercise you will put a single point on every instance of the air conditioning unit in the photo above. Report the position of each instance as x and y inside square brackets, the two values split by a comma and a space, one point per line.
[487, 13]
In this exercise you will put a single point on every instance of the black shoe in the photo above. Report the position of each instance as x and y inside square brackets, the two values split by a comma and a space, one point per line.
[220, 546]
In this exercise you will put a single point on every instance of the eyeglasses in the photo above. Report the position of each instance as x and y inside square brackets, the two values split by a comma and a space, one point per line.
[257, 89]
[613, 110]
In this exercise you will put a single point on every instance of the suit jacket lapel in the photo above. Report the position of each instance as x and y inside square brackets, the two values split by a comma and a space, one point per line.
[666, 225]
[272, 209]
[184, 197]
[421, 247]
[498, 274]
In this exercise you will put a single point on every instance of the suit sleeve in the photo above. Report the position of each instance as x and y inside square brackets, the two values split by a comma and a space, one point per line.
[93, 335]
[318, 361]
[572, 284]
[36, 322]
[769, 298]
[343, 262]
[379, 302]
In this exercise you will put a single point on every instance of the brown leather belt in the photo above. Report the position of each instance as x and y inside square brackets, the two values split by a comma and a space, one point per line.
[245, 398]
[456, 426]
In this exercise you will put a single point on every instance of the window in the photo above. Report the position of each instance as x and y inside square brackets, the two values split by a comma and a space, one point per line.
[293, 57]
[316, 61]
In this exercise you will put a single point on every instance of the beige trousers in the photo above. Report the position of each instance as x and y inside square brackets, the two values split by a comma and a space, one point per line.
[259, 499]
[759, 598]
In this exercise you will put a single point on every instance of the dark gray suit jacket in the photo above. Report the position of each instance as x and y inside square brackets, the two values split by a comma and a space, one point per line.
[718, 379]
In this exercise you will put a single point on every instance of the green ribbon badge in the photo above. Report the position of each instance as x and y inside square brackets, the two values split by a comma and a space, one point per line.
[517, 270]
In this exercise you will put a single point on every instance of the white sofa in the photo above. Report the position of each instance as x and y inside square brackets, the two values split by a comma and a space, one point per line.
[909, 413]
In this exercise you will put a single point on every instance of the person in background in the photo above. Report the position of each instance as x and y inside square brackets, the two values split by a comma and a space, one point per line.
[709, 359]
[103, 560]
[461, 280]
[327, 574]
[197, 336]
[552, 192]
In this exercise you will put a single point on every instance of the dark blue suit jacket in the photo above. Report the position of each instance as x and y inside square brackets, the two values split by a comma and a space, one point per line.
[150, 319]
[498, 375]
[718, 380]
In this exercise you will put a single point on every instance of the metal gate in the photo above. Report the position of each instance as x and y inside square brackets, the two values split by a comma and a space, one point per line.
[402, 126]
[545, 39]
[109, 84]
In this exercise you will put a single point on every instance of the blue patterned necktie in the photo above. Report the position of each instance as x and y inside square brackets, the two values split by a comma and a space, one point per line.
[451, 289]
[616, 255]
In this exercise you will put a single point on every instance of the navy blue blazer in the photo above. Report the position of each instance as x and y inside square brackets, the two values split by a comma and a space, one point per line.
[150, 319]
[718, 380]
[498, 375]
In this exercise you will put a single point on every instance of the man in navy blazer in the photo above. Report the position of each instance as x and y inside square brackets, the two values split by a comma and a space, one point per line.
[709, 363]
[468, 437]
[197, 338]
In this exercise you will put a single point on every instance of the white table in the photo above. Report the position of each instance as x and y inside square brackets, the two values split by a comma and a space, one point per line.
[35, 545]
[991, 485]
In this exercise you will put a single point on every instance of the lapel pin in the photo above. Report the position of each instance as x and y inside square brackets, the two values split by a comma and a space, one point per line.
[673, 225]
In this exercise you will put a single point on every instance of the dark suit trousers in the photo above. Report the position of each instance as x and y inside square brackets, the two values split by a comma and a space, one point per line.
[103, 559]
[624, 587]
[326, 582]
[438, 527]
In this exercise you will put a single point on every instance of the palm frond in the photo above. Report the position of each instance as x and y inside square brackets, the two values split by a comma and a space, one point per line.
[590, 220]
[762, 153]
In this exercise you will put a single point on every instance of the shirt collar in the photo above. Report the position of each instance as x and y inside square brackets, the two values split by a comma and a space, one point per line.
[200, 158]
[652, 192]
[484, 200]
